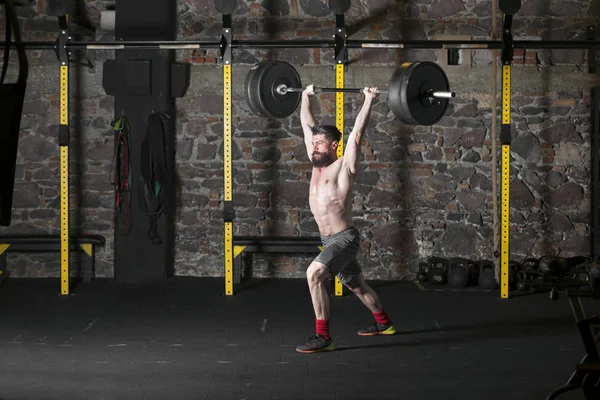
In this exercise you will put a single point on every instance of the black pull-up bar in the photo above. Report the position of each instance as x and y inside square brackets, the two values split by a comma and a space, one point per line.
[370, 44]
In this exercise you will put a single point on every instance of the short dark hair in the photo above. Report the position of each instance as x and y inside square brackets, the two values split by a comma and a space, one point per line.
[330, 131]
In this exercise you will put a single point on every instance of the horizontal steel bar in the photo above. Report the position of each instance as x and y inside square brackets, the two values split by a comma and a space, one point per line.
[283, 89]
[342, 90]
[556, 44]
[425, 44]
[283, 44]
[141, 45]
[373, 44]
[120, 45]
[436, 94]
[473, 44]
[176, 44]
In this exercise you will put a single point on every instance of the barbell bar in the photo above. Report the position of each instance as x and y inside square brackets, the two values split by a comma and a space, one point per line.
[283, 89]
[418, 92]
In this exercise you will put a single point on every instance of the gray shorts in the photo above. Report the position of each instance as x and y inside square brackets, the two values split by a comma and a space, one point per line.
[339, 254]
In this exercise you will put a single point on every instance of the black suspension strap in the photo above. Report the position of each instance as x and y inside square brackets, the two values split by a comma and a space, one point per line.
[122, 176]
[12, 97]
[155, 172]
[8, 33]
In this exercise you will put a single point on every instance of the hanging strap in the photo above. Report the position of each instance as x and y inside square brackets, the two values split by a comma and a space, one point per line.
[12, 97]
[121, 177]
[155, 172]
[13, 22]
[6, 42]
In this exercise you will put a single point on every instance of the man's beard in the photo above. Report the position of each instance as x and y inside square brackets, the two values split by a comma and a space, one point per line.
[322, 161]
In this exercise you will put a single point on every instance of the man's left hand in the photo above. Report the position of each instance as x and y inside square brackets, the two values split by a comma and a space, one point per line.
[370, 92]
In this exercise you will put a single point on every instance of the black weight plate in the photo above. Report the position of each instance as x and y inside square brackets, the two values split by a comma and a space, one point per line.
[252, 88]
[406, 93]
[396, 97]
[261, 89]
[274, 104]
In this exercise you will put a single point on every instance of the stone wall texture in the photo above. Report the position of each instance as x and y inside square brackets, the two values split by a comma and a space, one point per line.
[421, 191]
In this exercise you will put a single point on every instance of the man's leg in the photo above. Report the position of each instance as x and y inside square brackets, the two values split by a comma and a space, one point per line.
[383, 325]
[365, 293]
[316, 275]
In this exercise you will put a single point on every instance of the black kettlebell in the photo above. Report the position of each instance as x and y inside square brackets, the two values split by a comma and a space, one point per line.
[438, 270]
[554, 266]
[528, 272]
[522, 285]
[514, 267]
[473, 269]
[458, 272]
[530, 264]
[487, 275]
[422, 274]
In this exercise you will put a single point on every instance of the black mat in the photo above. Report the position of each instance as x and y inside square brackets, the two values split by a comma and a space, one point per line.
[182, 339]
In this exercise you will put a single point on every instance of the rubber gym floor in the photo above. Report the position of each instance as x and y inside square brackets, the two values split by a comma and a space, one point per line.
[183, 339]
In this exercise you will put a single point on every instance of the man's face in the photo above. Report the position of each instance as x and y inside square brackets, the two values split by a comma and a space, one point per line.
[323, 151]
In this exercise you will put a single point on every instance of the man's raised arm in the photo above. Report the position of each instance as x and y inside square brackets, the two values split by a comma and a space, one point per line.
[307, 120]
[352, 151]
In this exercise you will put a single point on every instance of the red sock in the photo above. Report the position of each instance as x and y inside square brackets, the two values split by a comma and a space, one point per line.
[381, 317]
[323, 328]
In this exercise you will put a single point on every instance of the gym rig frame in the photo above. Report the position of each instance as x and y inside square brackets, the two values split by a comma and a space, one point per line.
[340, 43]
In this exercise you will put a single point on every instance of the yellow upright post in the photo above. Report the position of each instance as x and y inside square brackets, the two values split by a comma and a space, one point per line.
[228, 212]
[505, 225]
[505, 140]
[339, 122]
[227, 178]
[63, 142]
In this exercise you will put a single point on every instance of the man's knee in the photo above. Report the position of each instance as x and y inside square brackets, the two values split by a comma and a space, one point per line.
[353, 284]
[317, 272]
[356, 284]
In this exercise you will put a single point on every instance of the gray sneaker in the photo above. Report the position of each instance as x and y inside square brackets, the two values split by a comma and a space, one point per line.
[315, 344]
[378, 329]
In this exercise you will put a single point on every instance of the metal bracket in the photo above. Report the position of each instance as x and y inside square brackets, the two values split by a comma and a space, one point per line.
[341, 37]
[63, 39]
[507, 40]
[63, 59]
[226, 38]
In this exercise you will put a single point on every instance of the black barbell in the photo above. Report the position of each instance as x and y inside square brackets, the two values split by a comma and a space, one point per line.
[418, 92]
[430, 95]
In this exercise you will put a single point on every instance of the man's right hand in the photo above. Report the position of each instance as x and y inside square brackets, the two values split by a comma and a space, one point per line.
[309, 91]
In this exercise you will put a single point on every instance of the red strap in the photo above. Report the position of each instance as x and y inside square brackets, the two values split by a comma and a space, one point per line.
[121, 183]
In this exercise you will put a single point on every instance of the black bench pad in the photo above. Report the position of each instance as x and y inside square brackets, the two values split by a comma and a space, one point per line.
[49, 242]
[278, 244]
[271, 244]
[25, 239]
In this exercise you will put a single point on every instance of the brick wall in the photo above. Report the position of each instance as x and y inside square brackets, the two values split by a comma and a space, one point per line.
[421, 191]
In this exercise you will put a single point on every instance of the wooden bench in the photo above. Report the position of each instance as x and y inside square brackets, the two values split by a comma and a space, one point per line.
[243, 245]
[51, 243]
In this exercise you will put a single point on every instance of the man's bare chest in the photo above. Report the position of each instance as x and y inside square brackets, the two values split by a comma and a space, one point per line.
[324, 181]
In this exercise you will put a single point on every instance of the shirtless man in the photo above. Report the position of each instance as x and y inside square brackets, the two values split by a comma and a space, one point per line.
[331, 204]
